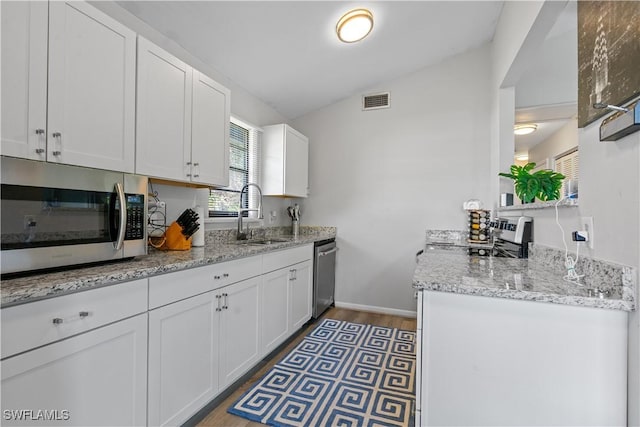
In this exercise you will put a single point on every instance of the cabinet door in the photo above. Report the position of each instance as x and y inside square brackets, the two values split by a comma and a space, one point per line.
[296, 168]
[163, 114]
[301, 294]
[239, 329]
[183, 358]
[274, 300]
[24, 78]
[98, 377]
[210, 131]
[91, 104]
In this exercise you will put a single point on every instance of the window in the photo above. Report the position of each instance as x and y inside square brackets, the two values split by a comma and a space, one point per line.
[567, 164]
[244, 167]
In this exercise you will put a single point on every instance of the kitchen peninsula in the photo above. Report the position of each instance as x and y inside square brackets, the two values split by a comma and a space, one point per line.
[508, 342]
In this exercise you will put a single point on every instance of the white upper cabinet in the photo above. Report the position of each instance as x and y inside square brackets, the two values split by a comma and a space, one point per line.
[182, 120]
[92, 66]
[286, 162]
[163, 113]
[24, 79]
[90, 98]
[210, 131]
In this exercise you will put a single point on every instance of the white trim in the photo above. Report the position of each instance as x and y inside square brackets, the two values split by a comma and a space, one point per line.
[375, 309]
[243, 123]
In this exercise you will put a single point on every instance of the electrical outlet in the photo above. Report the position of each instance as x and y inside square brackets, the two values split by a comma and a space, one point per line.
[587, 225]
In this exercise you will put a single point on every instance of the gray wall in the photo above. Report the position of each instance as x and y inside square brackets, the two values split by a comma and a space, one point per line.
[384, 176]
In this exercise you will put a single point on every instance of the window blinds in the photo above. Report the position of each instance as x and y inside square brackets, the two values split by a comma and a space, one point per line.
[568, 166]
[244, 167]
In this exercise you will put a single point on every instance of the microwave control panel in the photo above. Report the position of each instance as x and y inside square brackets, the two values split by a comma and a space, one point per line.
[135, 217]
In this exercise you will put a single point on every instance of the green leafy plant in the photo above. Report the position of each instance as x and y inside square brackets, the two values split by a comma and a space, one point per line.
[544, 184]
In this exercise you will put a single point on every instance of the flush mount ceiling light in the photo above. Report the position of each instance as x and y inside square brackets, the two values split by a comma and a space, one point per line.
[525, 129]
[522, 157]
[354, 25]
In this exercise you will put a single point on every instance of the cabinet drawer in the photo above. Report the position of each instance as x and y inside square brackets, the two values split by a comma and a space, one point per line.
[178, 285]
[274, 260]
[31, 325]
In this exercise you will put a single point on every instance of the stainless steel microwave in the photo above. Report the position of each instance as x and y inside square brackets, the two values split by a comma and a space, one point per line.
[58, 215]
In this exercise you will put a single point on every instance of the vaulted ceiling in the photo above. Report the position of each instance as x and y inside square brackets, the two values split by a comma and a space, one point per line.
[287, 54]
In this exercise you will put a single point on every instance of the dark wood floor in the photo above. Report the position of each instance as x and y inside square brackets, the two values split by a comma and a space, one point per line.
[219, 416]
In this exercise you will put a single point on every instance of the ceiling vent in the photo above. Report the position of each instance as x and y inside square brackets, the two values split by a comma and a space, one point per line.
[375, 101]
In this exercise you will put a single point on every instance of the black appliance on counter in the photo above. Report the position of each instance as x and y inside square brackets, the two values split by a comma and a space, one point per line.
[512, 236]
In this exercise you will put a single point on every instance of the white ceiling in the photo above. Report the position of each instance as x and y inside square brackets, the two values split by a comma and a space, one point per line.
[287, 54]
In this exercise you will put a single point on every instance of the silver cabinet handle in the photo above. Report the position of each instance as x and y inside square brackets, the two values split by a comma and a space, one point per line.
[292, 274]
[196, 172]
[217, 277]
[123, 217]
[225, 305]
[225, 275]
[58, 321]
[218, 307]
[40, 133]
[83, 314]
[189, 164]
[58, 137]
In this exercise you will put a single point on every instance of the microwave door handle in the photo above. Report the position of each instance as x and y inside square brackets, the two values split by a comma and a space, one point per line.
[123, 217]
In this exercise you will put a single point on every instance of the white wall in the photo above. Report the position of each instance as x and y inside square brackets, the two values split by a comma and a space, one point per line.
[243, 105]
[565, 139]
[384, 176]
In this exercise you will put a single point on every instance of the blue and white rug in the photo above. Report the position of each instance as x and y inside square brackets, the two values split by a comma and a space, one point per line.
[341, 374]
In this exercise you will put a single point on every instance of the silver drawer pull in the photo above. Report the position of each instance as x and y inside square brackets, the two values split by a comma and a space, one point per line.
[84, 314]
[57, 321]
[225, 275]
[217, 277]
[218, 307]
[226, 303]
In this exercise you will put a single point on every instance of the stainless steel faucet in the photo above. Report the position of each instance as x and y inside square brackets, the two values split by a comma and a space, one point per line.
[241, 234]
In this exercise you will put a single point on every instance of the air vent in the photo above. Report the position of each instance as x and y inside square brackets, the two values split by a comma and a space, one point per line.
[375, 101]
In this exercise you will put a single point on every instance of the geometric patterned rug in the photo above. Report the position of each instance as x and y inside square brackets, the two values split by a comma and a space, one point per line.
[341, 374]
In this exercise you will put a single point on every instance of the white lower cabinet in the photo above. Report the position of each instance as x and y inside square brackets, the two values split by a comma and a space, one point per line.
[200, 345]
[300, 289]
[285, 295]
[95, 378]
[239, 329]
[275, 302]
[183, 358]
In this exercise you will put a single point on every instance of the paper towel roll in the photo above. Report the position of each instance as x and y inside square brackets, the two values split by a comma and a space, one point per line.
[198, 238]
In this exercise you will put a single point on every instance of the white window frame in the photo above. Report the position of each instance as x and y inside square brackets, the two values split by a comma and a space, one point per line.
[255, 161]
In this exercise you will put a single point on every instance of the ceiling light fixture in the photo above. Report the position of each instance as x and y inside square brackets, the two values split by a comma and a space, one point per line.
[522, 157]
[525, 129]
[354, 25]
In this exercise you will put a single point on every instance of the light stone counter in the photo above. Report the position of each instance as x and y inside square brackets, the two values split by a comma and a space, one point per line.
[452, 270]
[218, 248]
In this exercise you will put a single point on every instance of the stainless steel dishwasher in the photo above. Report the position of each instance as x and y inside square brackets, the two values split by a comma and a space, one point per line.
[324, 276]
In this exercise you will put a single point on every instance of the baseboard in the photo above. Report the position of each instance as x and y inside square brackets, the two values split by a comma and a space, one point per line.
[375, 309]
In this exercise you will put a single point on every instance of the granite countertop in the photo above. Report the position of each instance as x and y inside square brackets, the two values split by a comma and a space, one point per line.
[454, 271]
[30, 288]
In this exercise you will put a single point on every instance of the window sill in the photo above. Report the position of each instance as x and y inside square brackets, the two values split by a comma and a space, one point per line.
[540, 205]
